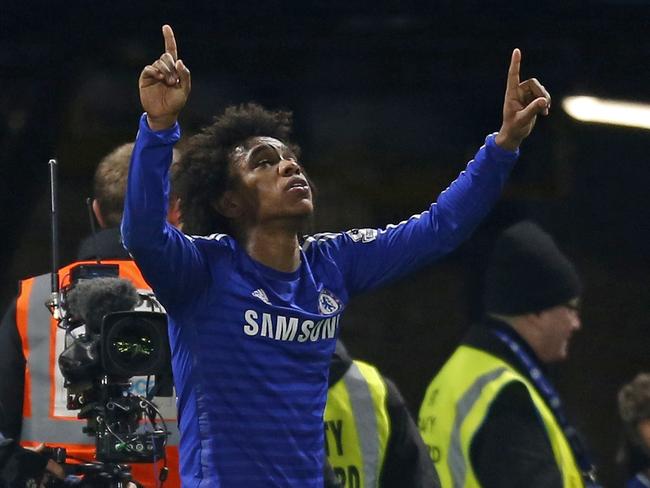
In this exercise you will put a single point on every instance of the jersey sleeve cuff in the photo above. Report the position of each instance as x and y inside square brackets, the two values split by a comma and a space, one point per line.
[161, 137]
[497, 152]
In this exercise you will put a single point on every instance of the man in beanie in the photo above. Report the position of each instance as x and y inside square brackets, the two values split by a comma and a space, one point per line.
[491, 417]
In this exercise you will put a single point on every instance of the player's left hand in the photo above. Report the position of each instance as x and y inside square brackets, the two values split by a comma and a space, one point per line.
[523, 102]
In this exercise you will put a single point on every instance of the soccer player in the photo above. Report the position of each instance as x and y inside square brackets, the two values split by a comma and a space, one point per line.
[254, 311]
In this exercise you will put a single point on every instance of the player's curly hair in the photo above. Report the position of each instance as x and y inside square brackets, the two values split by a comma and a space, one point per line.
[203, 173]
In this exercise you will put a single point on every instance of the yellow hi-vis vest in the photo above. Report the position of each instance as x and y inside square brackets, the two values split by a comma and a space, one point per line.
[456, 404]
[357, 426]
[45, 415]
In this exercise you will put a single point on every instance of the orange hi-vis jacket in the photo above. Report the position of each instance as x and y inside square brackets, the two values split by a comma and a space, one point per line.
[45, 416]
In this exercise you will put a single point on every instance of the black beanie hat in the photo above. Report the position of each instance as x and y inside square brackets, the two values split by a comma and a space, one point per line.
[528, 273]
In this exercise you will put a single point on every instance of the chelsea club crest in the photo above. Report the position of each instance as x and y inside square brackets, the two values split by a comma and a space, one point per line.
[327, 303]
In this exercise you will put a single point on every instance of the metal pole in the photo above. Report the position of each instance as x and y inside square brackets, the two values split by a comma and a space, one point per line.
[55, 225]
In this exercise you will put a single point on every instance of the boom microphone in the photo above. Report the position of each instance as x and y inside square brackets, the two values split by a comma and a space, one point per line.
[91, 300]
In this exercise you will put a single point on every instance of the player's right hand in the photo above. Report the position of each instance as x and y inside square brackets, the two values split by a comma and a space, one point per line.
[164, 85]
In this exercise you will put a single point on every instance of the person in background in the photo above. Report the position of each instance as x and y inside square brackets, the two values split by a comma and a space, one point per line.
[371, 439]
[634, 409]
[491, 417]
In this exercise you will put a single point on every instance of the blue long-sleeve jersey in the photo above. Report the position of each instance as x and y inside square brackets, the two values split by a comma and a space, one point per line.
[251, 345]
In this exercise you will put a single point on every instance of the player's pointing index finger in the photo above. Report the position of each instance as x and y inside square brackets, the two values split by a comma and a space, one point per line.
[513, 71]
[170, 41]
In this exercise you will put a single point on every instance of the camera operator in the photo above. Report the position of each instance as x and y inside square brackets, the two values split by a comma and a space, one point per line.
[31, 385]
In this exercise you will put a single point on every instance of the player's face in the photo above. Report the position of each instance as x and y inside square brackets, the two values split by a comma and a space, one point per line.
[270, 183]
[557, 326]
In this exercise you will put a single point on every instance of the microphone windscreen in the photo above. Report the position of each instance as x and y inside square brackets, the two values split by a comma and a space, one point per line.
[90, 300]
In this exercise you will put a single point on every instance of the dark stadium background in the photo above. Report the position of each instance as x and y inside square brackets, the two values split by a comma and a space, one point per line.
[390, 101]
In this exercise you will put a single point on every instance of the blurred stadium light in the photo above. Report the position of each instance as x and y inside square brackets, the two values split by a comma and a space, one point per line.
[605, 111]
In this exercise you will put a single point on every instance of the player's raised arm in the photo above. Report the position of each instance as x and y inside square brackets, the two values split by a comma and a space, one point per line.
[160, 251]
[373, 257]
[165, 85]
[523, 102]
